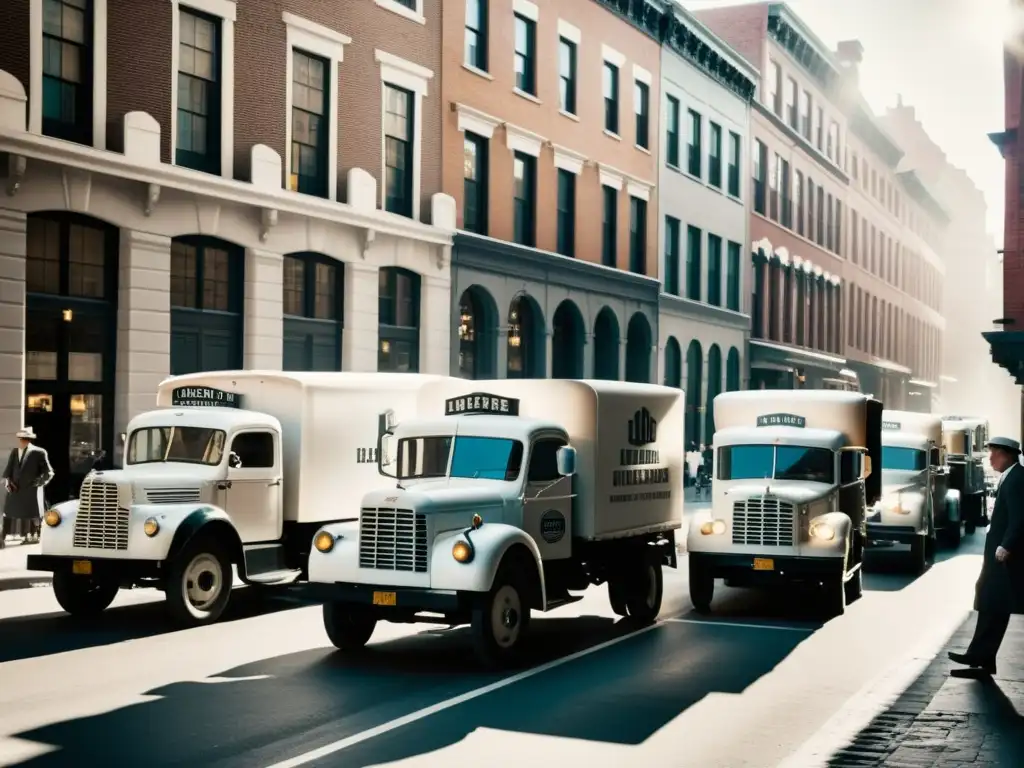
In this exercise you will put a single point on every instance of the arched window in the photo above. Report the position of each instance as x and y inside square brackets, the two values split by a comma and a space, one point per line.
[313, 292]
[567, 342]
[694, 376]
[732, 371]
[714, 388]
[478, 333]
[638, 349]
[398, 309]
[606, 346]
[673, 364]
[525, 352]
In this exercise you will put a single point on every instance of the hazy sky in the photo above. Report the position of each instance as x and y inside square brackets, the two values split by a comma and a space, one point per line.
[944, 56]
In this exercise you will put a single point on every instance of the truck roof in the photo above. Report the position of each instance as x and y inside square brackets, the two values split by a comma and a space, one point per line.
[918, 426]
[815, 438]
[962, 422]
[228, 419]
[482, 425]
[332, 380]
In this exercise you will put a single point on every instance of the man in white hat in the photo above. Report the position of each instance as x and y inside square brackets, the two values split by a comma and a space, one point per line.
[1000, 589]
[28, 470]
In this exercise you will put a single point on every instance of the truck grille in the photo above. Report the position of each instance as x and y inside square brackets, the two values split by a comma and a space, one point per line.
[172, 495]
[100, 524]
[393, 540]
[763, 522]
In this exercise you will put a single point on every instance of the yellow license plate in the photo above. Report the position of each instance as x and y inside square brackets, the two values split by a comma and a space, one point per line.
[81, 567]
[764, 564]
[385, 598]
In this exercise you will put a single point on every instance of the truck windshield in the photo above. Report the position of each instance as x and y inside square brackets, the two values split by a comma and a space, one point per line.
[903, 459]
[777, 462]
[188, 445]
[475, 457]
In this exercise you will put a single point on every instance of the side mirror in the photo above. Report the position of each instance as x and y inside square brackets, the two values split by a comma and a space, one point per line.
[566, 461]
[234, 460]
[385, 454]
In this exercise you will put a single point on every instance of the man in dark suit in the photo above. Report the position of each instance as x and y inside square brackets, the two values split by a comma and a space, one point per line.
[28, 470]
[1000, 589]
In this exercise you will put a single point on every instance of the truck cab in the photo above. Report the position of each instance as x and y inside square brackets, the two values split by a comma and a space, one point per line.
[793, 480]
[916, 507]
[964, 439]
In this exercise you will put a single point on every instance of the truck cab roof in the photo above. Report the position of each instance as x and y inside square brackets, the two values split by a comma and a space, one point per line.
[810, 437]
[228, 419]
[481, 425]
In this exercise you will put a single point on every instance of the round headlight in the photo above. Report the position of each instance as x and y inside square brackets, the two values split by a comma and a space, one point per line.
[151, 527]
[462, 552]
[716, 527]
[324, 542]
[823, 531]
[52, 518]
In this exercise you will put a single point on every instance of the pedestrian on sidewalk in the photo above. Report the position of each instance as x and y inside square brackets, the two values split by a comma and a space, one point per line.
[28, 471]
[1000, 589]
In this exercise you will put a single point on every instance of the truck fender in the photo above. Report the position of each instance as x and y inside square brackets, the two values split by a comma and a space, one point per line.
[953, 505]
[208, 521]
[490, 543]
[843, 526]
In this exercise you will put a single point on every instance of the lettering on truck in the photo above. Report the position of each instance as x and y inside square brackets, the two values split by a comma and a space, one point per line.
[478, 402]
[199, 397]
[640, 464]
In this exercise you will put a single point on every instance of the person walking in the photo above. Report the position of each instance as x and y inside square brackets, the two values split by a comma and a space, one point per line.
[28, 471]
[1000, 588]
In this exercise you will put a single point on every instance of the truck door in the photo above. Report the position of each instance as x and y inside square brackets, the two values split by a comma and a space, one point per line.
[254, 485]
[547, 510]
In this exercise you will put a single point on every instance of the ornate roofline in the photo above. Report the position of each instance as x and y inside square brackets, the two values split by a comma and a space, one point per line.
[786, 28]
[865, 125]
[919, 192]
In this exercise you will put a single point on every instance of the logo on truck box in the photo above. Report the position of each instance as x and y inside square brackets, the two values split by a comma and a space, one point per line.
[204, 397]
[781, 420]
[639, 464]
[642, 428]
[481, 402]
[552, 526]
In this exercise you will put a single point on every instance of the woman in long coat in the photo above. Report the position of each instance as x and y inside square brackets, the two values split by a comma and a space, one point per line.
[28, 470]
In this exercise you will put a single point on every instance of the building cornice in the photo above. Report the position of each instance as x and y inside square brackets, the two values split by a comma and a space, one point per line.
[912, 183]
[1004, 140]
[866, 127]
[786, 28]
[795, 136]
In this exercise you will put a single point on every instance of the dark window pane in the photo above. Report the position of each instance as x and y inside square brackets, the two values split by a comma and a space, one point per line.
[294, 286]
[398, 148]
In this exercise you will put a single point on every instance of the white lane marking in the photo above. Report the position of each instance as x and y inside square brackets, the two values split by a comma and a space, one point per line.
[808, 630]
[433, 709]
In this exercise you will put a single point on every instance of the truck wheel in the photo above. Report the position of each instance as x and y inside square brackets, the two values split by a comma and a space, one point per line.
[645, 586]
[919, 555]
[952, 534]
[199, 583]
[971, 514]
[501, 619]
[348, 628]
[83, 596]
[702, 588]
[617, 597]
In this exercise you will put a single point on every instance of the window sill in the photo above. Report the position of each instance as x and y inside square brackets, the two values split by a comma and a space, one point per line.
[570, 115]
[401, 10]
[527, 96]
[477, 71]
[612, 135]
[645, 150]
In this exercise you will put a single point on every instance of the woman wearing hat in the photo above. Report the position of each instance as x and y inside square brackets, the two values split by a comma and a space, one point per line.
[28, 470]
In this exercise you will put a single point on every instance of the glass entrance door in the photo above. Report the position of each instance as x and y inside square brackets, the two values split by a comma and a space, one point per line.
[70, 428]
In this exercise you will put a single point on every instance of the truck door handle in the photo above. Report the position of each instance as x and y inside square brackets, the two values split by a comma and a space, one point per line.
[224, 486]
[275, 483]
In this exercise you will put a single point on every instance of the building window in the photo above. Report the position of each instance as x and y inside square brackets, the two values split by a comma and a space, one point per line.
[760, 163]
[832, 148]
[672, 132]
[820, 130]
[312, 313]
[792, 116]
[642, 107]
[567, 75]
[310, 110]
[839, 229]
[734, 164]
[198, 93]
[693, 236]
[201, 278]
[715, 156]
[566, 244]
[773, 189]
[524, 175]
[611, 98]
[474, 185]
[829, 229]
[693, 149]
[775, 88]
[476, 34]
[805, 115]
[672, 255]
[714, 270]
[786, 202]
[637, 235]
[798, 200]
[526, 55]
[821, 217]
[398, 149]
[732, 277]
[67, 70]
[398, 317]
[609, 226]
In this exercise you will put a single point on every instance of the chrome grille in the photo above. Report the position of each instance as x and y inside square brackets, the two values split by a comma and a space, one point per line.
[393, 540]
[172, 495]
[100, 523]
[763, 522]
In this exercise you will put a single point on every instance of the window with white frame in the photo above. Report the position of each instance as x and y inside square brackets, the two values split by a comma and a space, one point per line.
[410, 9]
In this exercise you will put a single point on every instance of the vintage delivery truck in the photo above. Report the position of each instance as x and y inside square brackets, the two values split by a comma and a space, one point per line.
[964, 439]
[793, 482]
[916, 507]
[233, 468]
[507, 497]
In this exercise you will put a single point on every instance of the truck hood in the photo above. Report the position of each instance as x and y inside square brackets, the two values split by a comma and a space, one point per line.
[162, 474]
[802, 493]
[431, 497]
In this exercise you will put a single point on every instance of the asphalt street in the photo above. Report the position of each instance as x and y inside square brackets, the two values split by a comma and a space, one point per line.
[747, 686]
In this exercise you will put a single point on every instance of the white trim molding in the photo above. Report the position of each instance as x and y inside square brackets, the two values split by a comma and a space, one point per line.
[568, 160]
[612, 56]
[99, 70]
[414, 78]
[475, 121]
[640, 191]
[521, 140]
[610, 177]
[641, 75]
[526, 9]
[321, 41]
[404, 11]
[226, 11]
[569, 32]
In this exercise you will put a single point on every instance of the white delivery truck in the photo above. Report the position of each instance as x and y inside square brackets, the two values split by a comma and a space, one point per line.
[793, 481]
[916, 507]
[508, 497]
[232, 468]
[964, 438]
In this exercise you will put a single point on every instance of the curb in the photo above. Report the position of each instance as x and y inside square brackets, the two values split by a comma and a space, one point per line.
[25, 582]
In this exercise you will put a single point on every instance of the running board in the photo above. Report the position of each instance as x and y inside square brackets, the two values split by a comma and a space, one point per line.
[275, 578]
[558, 602]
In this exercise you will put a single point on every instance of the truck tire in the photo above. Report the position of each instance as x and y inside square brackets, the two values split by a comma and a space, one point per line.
[617, 597]
[348, 628]
[644, 588]
[919, 555]
[83, 596]
[702, 588]
[972, 511]
[501, 618]
[199, 582]
[952, 534]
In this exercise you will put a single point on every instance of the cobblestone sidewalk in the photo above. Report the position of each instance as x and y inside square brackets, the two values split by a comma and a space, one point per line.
[944, 722]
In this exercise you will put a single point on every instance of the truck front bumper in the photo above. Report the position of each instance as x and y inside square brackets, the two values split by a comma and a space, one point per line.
[754, 570]
[102, 567]
[387, 598]
[900, 534]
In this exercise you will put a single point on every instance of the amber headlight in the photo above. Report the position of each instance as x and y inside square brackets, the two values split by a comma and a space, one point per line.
[822, 531]
[52, 518]
[151, 527]
[462, 552]
[715, 527]
[324, 542]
